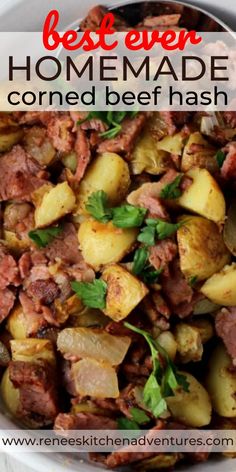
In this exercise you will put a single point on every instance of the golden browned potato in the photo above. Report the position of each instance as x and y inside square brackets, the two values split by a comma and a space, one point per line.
[38, 145]
[10, 132]
[146, 157]
[93, 344]
[32, 350]
[173, 144]
[201, 248]
[107, 172]
[199, 153]
[189, 343]
[23, 325]
[221, 383]
[204, 196]
[38, 194]
[70, 161]
[10, 394]
[204, 327]
[124, 292]
[220, 288]
[191, 408]
[160, 461]
[15, 245]
[94, 378]
[167, 340]
[103, 243]
[55, 204]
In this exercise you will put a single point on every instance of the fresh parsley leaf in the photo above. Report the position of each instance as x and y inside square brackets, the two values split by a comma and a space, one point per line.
[128, 216]
[149, 275]
[140, 260]
[220, 157]
[139, 415]
[92, 294]
[112, 132]
[164, 229]
[172, 190]
[126, 423]
[152, 396]
[111, 118]
[100, 115]
[43, 237]
[164, 379]
[192, 281]
[97, 206]
[147, 235]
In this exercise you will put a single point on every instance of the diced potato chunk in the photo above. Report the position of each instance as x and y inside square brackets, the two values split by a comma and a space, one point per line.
[189, 343]
[92, 343]
[124, 292]
[16, 245]
[108, 172]
[22, 325]
[55, 204]
[95, 379]
[191, 408]
[204, 327]
[32, 350]
[221, 383]
[160, 461]
[201, 248]
[199, 153]
[172, 144]
[221, 287]
[10, 394]
[38, 145]
[167, 340]
[103, 243]
[204, 196]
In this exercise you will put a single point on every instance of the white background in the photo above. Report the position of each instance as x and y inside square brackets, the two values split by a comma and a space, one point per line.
[28, 14]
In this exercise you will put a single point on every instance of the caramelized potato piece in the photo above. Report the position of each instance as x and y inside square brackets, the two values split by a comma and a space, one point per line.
[39, 146]
[221, 383]
[201, 248]
[103, 243]
[33, 350]
[10, 394]
[220, 288]
[204, 196]
[172, 144]
[191, 408]
[108, 172]
[124, 292]
[55, 204]
[189, 343]
[199, 153]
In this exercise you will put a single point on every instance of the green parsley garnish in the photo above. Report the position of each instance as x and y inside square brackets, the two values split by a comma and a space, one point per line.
[192, 281]
[139, 417]
[172, 190]
[43, 237]
[147, 235]
[220, 157]
[164, 379]
[125, 216]
[142, 268]
[140, 260]
[92, 294]
[97, 206]
[128, 216]
[112, 119]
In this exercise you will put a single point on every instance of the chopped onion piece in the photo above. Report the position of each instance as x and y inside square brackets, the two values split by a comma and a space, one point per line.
[95, 379]
[92, 343]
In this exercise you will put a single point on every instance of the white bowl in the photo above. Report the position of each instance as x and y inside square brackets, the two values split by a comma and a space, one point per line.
[15, 15]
